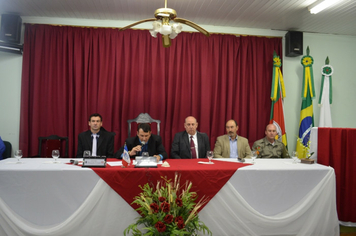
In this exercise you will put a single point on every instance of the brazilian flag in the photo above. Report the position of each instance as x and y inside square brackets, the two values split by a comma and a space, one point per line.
[306, 121]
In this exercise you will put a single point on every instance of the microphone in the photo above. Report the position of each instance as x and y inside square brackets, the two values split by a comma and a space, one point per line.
[142, 144]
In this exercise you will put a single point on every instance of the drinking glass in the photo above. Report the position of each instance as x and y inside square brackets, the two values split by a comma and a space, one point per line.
[86, 153]
[55, 155]
[145, 154]
[295, 157]
[18, 155]
[210, 155]
[253, 156]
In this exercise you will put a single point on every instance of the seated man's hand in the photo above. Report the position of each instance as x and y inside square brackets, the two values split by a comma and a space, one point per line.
[158, 157]
[135, 150]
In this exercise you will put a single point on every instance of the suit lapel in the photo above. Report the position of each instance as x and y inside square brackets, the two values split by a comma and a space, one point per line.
[186, 139]
[88, 140]
[227, 140]
[187, 142]
[136, 142]
[151, 146]
[100, 141]
[200, 145]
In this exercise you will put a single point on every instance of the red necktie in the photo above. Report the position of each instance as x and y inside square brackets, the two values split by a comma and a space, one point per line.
[192, 148]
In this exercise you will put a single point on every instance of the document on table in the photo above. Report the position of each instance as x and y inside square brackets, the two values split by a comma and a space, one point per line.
[115, 163]
[119, 163]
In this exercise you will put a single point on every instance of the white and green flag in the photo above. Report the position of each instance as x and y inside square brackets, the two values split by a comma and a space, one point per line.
[325, 98]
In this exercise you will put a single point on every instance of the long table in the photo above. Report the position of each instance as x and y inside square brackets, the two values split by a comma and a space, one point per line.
[271, 197]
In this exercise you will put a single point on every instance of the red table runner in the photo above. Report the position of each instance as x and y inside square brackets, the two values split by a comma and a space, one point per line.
[207, 179]
[336, 148]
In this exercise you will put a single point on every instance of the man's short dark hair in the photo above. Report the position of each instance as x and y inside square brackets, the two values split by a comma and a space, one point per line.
[95, 115]
[145, 127]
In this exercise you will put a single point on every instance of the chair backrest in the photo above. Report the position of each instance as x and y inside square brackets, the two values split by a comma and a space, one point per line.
[8, 149]
[53, 142]
[144, 118]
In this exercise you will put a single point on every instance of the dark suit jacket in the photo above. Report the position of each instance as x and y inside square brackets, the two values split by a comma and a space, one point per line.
[105, 145]
[155, 146]
[181, 145]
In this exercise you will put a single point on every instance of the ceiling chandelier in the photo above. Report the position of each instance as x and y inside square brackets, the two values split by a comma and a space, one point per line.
[167, 24]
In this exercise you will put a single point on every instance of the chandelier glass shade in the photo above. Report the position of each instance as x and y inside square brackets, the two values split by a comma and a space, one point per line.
[166, 28]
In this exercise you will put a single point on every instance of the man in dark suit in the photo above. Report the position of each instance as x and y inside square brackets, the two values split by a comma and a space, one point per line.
[104, 140]
[144, 142]
[190, 144]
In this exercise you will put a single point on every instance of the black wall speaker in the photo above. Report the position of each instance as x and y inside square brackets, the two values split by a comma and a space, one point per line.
[10, 31]
[294, 44]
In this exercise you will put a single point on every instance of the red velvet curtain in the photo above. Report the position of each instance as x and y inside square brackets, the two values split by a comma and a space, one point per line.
[71, 72]
[336, 148]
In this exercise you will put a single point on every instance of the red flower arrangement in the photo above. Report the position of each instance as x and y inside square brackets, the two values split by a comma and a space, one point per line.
[168, 219]
[160, 226]
[168, 210]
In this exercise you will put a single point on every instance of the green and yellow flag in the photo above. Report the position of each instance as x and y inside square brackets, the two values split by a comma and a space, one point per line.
[306, 121]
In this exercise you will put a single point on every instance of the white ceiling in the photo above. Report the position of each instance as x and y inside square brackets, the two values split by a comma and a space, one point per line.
[261, 14]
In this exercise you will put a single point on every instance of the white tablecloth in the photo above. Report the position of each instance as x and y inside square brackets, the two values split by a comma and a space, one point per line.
[272, 197]
[314, 143]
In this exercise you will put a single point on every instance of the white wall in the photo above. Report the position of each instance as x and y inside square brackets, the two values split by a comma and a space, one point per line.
[10, 95]
[340, 49]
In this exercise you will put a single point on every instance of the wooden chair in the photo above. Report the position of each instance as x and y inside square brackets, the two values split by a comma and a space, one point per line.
[53, 142]
[144, 118]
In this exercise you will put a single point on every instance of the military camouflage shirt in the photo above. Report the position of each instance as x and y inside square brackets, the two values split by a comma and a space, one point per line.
[266, 149]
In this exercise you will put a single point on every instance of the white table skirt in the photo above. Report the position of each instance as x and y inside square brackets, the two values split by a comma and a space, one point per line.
[272, 197]
[275, 197]
[314, 143]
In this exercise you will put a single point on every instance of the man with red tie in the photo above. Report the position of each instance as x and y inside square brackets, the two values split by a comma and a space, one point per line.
[190, 144]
